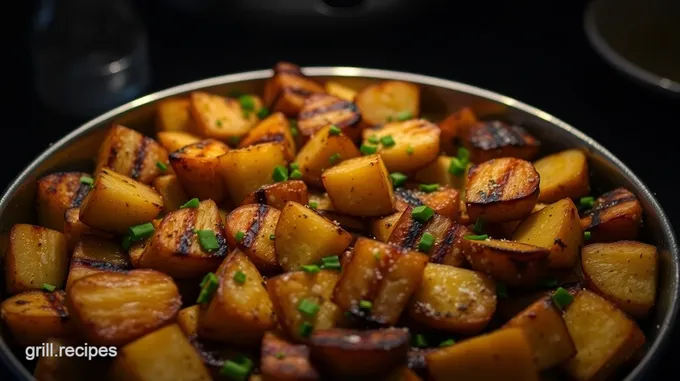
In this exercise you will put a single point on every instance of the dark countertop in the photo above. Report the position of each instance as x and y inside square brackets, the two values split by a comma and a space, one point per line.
[534, 51]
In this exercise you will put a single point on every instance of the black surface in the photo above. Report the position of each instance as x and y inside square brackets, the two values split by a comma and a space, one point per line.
[534, 51]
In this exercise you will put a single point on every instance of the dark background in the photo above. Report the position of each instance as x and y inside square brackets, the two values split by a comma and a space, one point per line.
[531, 50]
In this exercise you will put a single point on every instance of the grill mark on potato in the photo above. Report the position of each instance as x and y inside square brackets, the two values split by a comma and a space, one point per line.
[260, 196]
[270, 138]
[495, 134]
[82, 191]
[499, 189]
[187, 236]
[57, 304]
[408, 197]
[325, 107]
[297, 91]
[446, 244]
[140, 155]
[415, 230]
[21, 302]
[255, 226]
[608, 204]
[99, 265]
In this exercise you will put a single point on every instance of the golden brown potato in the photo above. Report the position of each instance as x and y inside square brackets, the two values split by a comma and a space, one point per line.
[501, 190]
[454, 299]
[353, 354]
[381, 228]
[95, 255]
[275, 128]
[172, 192]
[278, 194]
[197, 168]
[304, 237]
[323, 151]
[547, 333]
[624, 272]
[285, 361]
[495, 139]
[415, 144]
[288, 290]
[322, 110]
[437, 172]
[74, 230]
[239, 312]
[173, 115]
[164, 354]
[58, 192]
[615, 216]
[187, 319]
[225, 119]
[176, 247]
[251, 228]
[383, 275]
[504, 354]
[287, 90]
[388, 100]
[563, 174]
[117, 202]
[360, 187]
[454, 128]
[52, 367]
[176, 140]
[35, 316]
[604, 337]
[444, 201]
[556, 228]
[132, 154]
[35, 256]
[115, 308]
[341, 91]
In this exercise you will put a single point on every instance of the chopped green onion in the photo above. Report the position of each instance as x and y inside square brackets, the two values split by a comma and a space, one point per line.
[162, 166]
[235, 93]
[209, 277]
[334, 158]
[501, 290]
[587, 236]
[456, 167]
[365, 305]
[139, 232]
[562, 298]
[48, 287]
[422, 213]
[313, 205]
[419, 341]
[463, 155]
[387, 141]
[409, 150]
[368, 150]
[480, 237]
[398, 178]
[478, 226]
[294, 166]
[272, 236]
[218, 123]
[331, 262]
[233, 140]
[208, 240]
[239, 277]
[390, 118]
[296, 174]
[587, 202]
[280, 355]
[239, 236]
[294, 131]
[373, 139]
[208, 286]
[87, 180]
[376, 255]
[308, 307]
[193, 203]
[247, 102]
[331, 259]
[127, 242]
[246, 114]
[428, 188]
[311, 269]
[334, 130]
[549, 283]
[404, 115]
[426, 243]
[280, 173]
[263, 113]
[306, 329]
[446, 343]
[234, 371]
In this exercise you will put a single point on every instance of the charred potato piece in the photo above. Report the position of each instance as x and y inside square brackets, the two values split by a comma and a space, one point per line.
[275, 128]
[323, 151]
[238, 312]
[454, 299]
[94, 255]
[547, 333]
[251, 228]
[176, 140]
[501, 190]
[624, 272]
[304, 237]
[353, 354]
[604, 337]
[322, 110]
[187, 319]
[416, 144]
[382, 274]
[173, 115]
[284, 361]
[339, 90]
[555, 227]
[172, 192]
[35, 256]
[52, 367]
[389, 100]
[287, 90]
[454, 128]
[197, 168]
[615, 216]
[563, 174]
[504, 354]
[175, 247]
[278, 194]
[117, 202]
[360, 187]
[225, 119]
[444, 201]
[115, 308]
[437, 172]
[164, 354]
[35, 316]
[57, 193]
[288, 290]
[74, 230]
[132, 154]
[495, 139]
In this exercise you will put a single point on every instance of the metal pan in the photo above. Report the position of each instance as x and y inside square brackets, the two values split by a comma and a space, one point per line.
[439, 96]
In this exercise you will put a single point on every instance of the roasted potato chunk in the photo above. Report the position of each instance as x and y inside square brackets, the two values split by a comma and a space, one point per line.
[555, 227]
[94, 255]
[251, 228]
[275, 128]
[172, 192]
[176, 140]
[287, 90]
[454, 299]
[239, 312]
[115, 308]
[35, 256]
[495, 139]
[322, 151]
[225, 119]
[353, 354]
[57, 193]
[624, 272]
[52, 367]
[437, 172]
[187, 319]
[117, 202]
[132, 154]
[164, 354]
[360, 187]
[74, 230]
[382, 228]
[444, 201]
[504, 354]
[513, 263]
[176, 248]
[547, 333]
[384, 275]
[284, 361]
[563, 174]
[278, 194]
[339, 90]
[415, 144]
[615, 216]
[287, 291]
[35, 316]
[173, 115]
[389, 100]
[454, 129]
[501, 190]
[604, 337]
[197, 168]
[322, 110]
[304, 237]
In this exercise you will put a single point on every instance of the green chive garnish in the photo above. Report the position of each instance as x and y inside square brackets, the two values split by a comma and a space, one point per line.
[234, 371]
[334, 130]
[87, 180]
[280, 355]
[218, 123]
[478, 226]
[311, 269]
[306, 329]
[280, 173]
[239, 277]
[263, 113]
[313, 205]
[365, 305]
[193, 203]
[387, 141]
[368, 150]
[208, 240]
[398, 178]
[127, 242]
[293, 166]
[404, 115]
[239, 236]
[247, 102]
[373, 139]
[331, 262]
[428, 188]
[208, 286]
[296, 174]
[48, 287]
[463, 155]
[419, 341]
[334, 158]
[480, 237]
[456, 167]
[409, 150]
[587, 202]
[446, 343]
[549, 283]
[308, 307]
[562, 298]
[587, 236]
[501, 290]
[139, 232]
[162, 166]
[422, 213]
[233, 140]
[272, 236]
[426, 243]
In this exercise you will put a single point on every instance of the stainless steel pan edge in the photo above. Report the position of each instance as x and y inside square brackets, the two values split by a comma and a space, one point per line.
[446, 94]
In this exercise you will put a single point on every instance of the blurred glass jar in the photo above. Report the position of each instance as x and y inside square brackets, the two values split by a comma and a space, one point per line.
[89, 55]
